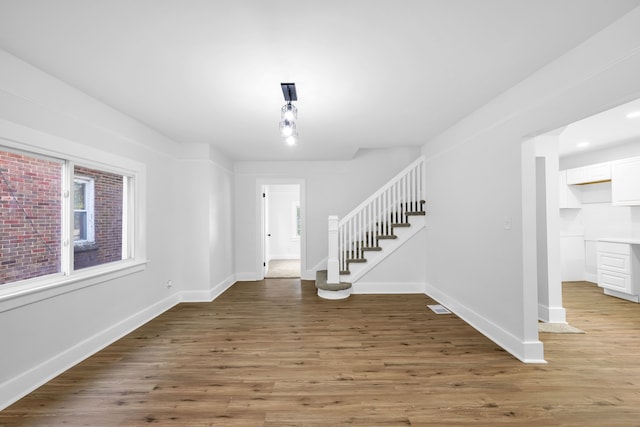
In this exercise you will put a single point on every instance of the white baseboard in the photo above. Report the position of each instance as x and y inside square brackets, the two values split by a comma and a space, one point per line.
[211, 294]
[525, 351]
[24, 383]
[590, 277]
[388, 288]
[246, 277]
[552, 314]
[308, 275]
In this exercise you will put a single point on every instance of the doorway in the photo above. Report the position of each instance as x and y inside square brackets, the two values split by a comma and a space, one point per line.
[282, 229]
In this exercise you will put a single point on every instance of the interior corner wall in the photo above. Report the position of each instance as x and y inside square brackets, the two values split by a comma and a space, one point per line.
[474, 258]
[44, 338]
[331, 188]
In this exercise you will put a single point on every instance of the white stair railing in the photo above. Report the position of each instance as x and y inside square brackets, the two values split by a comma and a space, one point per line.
[372, 220]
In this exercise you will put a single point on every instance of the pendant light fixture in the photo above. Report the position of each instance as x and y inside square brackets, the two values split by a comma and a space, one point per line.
[289, 114]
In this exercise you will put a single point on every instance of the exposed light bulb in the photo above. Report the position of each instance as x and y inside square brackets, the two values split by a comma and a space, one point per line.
[289, 112]
[582, 144]
[291, 140]
[287, 128]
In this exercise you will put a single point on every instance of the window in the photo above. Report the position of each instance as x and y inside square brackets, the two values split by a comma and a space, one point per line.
[48, 203]
[295, 220]
[98, 208]
[31, 220]
[83, 230]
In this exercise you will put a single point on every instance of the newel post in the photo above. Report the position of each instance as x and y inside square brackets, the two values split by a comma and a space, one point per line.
[333, 264]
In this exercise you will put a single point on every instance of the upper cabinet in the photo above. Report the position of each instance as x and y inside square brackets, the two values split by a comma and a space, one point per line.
[625, 182]
[589, 174]
[569, 196]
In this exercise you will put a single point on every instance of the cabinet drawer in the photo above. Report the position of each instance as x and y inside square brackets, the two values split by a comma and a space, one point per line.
[615, 281]
[614, 248]
[614, 262]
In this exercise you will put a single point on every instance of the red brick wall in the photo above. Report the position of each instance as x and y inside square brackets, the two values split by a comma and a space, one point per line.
[108, 220]
[29, 238]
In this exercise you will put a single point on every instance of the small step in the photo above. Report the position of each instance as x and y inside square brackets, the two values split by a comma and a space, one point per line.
[417, 213]
[363, 247]
[331, 291]
[387, 236]
[400, 224]
[350, 260]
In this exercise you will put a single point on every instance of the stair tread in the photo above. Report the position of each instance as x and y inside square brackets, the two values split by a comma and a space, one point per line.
[321, 283]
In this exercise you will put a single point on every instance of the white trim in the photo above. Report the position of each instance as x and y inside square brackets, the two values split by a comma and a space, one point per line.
[525, 351]
[89, 209]
[261, 182]
[388, 288]
[29, 141]
[25, 382]
[622, 295]
[389, 246]
[552, 314]
[23, 293]
[247, 277]
[294, 221]
[211, 294]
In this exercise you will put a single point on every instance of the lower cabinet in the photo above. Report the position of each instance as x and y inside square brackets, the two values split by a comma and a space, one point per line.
[619, 268]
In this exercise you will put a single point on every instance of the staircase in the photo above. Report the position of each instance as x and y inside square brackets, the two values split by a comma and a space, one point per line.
[372, 231]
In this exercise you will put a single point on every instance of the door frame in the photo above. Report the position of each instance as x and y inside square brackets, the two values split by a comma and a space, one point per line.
[260, 219]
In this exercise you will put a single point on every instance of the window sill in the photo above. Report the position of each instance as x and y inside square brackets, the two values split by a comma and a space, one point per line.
[18, 295]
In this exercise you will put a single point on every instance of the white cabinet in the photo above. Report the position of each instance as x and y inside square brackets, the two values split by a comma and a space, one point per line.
[592, 173]
[619, 268]
[569, 195]
[625, 182]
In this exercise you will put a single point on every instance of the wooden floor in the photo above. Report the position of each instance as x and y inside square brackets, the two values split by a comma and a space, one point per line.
[272, 353]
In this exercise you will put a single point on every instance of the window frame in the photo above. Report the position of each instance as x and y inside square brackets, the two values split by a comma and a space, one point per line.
[16, 138]
[296, 224]
[89, 199]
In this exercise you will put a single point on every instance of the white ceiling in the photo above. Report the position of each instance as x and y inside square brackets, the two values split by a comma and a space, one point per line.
[607, 128]
[369, 73]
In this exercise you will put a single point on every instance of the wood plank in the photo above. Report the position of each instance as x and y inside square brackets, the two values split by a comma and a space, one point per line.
[272, 353]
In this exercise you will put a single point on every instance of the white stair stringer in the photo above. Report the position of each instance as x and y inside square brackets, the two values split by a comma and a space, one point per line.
[357, 270]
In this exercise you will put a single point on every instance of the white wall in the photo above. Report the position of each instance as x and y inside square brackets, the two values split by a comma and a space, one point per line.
[205, 237]
[42, 338]
[331, 188]
[475, 264]
[401, 272]
[283, 244]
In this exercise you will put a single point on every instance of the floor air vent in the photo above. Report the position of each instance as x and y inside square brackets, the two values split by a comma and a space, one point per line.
[438, 309]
